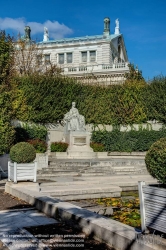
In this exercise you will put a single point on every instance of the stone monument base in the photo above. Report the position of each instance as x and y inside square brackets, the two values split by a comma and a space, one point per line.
[79, 145]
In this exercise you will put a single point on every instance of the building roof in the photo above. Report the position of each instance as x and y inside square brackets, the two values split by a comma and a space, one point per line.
[82, 38]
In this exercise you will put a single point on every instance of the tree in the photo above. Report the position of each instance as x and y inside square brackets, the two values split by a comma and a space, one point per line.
[29, 59]
[6, 72]
[134, 73]
[6, 58]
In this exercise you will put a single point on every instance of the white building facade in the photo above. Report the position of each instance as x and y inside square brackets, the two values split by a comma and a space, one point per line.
[101, 58]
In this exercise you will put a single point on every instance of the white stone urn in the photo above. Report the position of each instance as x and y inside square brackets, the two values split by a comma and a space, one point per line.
[22, 171]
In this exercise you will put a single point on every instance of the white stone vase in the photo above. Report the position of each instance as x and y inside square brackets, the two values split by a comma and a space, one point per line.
[22, 171]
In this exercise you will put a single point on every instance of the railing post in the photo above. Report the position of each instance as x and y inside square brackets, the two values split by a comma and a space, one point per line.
[142, 205]
[15, 172]
[9, 171]
[35, 170]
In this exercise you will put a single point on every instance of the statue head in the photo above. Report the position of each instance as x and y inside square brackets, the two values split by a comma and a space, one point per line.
[73, 104]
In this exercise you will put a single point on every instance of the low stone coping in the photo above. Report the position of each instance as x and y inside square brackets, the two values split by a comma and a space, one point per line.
[127, 153]
[115, 234]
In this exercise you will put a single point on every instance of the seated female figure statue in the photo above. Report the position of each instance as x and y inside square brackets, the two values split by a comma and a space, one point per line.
[74, 120]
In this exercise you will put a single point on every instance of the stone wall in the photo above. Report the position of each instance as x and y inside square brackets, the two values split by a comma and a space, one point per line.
[55, 133]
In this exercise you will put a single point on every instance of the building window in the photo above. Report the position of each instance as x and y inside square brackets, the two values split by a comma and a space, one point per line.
[39, 59]
[61, 58]
[69, 57]
[92, 56]
[47, 59]
[84, 56]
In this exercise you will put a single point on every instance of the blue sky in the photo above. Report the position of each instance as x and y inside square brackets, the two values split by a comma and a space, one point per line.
[142, 23]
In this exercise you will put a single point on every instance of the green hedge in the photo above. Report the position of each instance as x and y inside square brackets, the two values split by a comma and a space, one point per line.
[33, 131]
[59, 146]
[127, 141]
[39, 145]
[47, 98]
[97, 147]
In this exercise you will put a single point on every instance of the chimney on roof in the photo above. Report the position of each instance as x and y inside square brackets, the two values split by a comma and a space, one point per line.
[117, 29]
[106, 26]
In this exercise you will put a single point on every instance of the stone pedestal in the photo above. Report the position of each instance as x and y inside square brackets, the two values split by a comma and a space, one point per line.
[79, 145]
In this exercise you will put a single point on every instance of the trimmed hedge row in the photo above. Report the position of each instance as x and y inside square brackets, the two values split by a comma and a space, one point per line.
[48, 98]
[127, 141]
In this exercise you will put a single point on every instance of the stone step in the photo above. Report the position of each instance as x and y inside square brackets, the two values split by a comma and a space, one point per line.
[73, 197]
[91, 167]
[75, 168]
[92, 171]
[75, 192]
[64, 169]
[62, 181]
[127, 168]
[57, 174]
[99, 164]
[89, 187]
[105, 158]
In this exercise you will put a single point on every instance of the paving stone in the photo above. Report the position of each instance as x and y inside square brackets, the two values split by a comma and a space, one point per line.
[18, 219]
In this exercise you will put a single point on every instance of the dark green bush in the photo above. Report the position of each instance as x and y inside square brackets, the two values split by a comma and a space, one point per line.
[127, 141]
[21, 135]
[39, 145]
[7, 136]
[22, 152]
[155, 160]
[97, 147]
[59, 146]
[32, 131]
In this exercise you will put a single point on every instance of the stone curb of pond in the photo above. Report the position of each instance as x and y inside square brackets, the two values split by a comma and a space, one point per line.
[114, 233]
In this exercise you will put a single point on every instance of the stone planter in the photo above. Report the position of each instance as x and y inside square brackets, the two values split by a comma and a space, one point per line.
[42, 160]
[22, 171]
[152, 206]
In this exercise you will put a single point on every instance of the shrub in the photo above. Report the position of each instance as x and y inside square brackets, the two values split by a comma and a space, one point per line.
[21, 135]
[7, 136]
[130, 141]
[155, 160]
[39, 145]
[35, 131]
[22, 152]
[31, 131]
[59, 146]
[97, 147]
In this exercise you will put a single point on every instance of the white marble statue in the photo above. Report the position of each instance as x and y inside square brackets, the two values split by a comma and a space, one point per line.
[117, 29]
[117, 23]
[73, 120]
[46, 35]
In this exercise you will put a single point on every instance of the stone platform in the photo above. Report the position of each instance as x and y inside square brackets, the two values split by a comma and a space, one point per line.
[73, 179]
[68, 188]
[114, 233]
